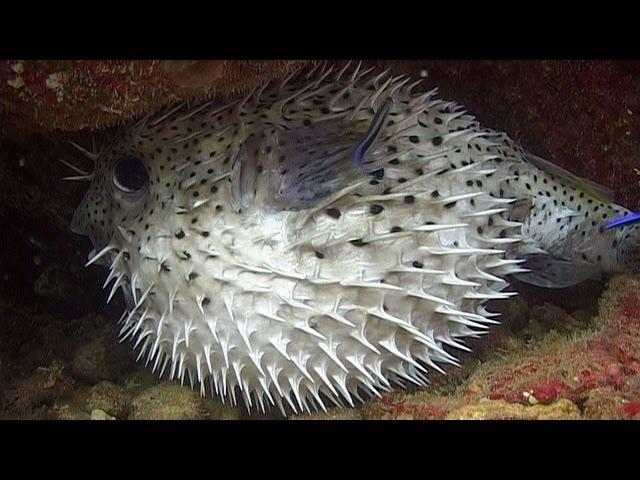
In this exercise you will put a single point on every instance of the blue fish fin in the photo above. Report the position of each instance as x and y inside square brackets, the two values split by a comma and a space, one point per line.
[365, 144]
[551, 272]
[621, 221]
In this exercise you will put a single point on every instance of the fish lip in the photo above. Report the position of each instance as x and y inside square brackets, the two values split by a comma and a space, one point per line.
[97, 248]
[94, 251]
[76, 226]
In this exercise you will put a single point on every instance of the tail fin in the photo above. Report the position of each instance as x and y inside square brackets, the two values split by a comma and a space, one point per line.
[562, 218]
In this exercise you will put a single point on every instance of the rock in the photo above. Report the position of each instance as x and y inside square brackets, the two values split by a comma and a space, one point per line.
[171, 401]
[216, 410]
[548, 316]
[42, 388]
[605, 404]
[69, 412]
[562, 409]
[168, 401]
[41, 95]
[98, 414]
[515, 312]
[101, 359]
[56, 284]
[333, 414]
[110, 398]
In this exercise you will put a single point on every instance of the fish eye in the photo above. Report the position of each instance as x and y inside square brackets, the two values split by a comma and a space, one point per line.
[130, 175]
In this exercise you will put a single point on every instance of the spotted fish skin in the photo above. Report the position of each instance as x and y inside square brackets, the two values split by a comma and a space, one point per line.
[343, 280]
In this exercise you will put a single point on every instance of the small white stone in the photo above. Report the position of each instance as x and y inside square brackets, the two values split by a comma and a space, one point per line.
[21, 162]
[424, 74]
[97, 414]
[18, 67]
[55, 83]
[16, 83]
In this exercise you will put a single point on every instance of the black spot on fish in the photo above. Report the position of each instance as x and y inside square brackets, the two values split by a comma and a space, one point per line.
[334, 213]
[375, 209]
[377, 174]
[358, 243]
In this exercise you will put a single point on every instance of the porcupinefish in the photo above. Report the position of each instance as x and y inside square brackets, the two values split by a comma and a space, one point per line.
[330, 237]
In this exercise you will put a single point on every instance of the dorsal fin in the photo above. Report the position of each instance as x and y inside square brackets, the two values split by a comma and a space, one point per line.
[589, 187]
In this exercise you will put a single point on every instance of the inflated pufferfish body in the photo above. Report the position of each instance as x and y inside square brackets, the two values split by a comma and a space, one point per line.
[329, 237]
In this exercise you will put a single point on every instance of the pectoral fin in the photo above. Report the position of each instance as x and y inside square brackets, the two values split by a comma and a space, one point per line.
[300, 168]
[550, 272]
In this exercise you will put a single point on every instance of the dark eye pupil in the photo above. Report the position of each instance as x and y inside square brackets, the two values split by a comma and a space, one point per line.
[130, 175]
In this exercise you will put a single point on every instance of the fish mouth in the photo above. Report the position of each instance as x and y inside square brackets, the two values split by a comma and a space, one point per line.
[77, 226]
[94, 251]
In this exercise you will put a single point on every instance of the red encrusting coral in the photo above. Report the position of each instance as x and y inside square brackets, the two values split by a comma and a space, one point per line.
[632, 409]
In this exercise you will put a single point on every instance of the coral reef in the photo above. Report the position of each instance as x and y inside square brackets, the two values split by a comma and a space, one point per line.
[71, 95]
[557, 354]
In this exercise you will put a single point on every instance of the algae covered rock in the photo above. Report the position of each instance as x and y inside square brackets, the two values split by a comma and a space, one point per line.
[102, 358]
[333, 414]
[109, 398]
[55, 283]
[69, 412]
[562, 409]
[41, 389]
[171, 401]
[216, 410]
[98, 414]
[168, 401]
